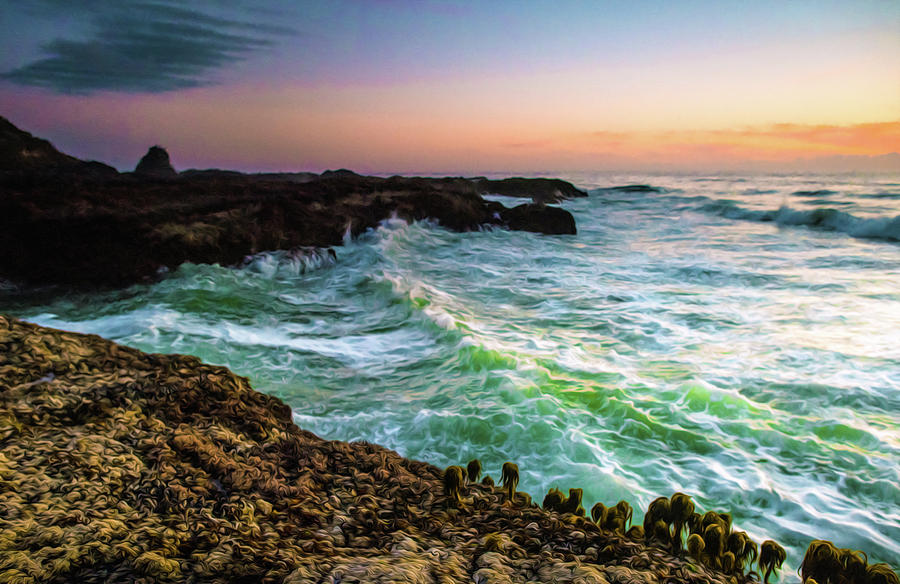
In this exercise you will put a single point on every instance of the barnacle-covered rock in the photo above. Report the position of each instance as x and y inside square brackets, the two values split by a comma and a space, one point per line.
[117, 465]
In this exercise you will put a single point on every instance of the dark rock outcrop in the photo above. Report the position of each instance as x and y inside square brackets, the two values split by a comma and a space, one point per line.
[215, 173]
[541, 190]
[339, 173]
[122, 466]
[20, 152]
[540, 219]
[211, 173]
[93, 230]
[121, 231]
[632, 189]
[155, 163]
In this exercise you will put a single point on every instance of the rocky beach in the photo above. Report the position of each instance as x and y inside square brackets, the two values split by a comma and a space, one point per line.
[121, 466]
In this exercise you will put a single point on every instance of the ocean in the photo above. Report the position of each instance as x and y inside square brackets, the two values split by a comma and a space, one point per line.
[734, 338]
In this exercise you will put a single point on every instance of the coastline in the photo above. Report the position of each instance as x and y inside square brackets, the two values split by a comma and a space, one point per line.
[84, 226]
[118, 465]
[124, 229]
[73, 223]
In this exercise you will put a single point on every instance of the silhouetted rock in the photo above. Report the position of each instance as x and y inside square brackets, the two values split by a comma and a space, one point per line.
[294, 177]
[155, 163]
[211, 173]
[541, 190]
[339, 173]
[22, 152]
[94, 169]
[90, 230]
[540, 219]
[217, 174]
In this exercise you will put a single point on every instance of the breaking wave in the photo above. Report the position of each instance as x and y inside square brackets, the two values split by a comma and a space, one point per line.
[827, 219]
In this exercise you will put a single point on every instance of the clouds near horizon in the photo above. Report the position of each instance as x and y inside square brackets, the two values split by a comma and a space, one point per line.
[765, 141]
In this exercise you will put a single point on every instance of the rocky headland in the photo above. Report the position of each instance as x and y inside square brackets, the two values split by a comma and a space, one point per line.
[69, 222]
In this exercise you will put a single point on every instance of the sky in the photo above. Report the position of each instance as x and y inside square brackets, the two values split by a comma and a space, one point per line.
[384, 86]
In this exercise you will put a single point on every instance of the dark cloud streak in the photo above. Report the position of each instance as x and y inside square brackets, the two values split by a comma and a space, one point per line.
[146, 47]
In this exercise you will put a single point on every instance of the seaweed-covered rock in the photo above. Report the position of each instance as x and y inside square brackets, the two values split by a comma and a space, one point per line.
[122, 466]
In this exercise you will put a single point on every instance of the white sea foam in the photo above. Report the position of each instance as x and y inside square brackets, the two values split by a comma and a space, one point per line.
[291, 262]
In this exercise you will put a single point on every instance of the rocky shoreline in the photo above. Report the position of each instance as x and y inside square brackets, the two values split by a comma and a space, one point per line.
[69, 222]
[122, 466]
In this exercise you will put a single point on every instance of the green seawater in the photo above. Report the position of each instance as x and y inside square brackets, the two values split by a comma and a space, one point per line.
[720, 336]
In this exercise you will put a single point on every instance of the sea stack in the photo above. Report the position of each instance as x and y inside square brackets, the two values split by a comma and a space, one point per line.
[155, 163]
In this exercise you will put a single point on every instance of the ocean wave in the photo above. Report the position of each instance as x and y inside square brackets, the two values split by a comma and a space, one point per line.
[635, 188]
[759, 191]
[508, 201]
[715, 276]
[827, 202]
[816, 193]
[828, 219]
[430, 302]
[292, 262]
[881, 195]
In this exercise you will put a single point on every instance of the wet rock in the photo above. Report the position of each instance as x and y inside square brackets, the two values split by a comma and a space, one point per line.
[540, 219]
[541, 190]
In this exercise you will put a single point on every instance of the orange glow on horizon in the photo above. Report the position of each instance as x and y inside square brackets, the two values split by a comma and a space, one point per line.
[293, 130]
[773, 142]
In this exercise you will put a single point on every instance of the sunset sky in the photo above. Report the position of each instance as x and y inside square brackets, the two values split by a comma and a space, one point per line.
[456, 87]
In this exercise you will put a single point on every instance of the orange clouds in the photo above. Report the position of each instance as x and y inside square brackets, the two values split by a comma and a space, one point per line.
[777, 142]
[870, 139]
